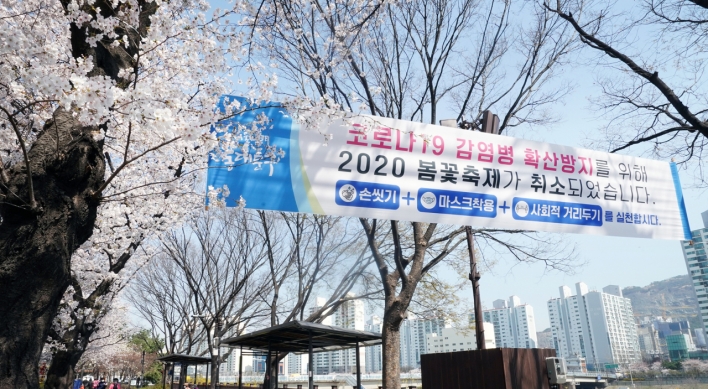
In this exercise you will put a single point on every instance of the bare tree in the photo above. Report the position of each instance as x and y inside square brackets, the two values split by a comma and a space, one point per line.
[162, 298]
[407, 60]
[662, 115]
[233, 269]
[220, 257]
[311, 255]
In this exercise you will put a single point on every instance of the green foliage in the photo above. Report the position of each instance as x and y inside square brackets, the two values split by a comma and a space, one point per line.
[673, 365]
[146, 342]
[154, 372]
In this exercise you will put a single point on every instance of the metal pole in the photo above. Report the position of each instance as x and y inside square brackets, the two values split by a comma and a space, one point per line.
[206, 382]
[474, 277]
[164, 375]
[277, 369]
[358, 367]
[268, 371]
[240, 369]
[142, 369]
[310, 378]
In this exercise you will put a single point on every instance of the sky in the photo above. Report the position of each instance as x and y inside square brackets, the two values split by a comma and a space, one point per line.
[607, 260]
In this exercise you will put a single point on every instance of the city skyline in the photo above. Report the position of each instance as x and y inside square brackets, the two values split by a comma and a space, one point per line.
[694, 253]
[608, 260]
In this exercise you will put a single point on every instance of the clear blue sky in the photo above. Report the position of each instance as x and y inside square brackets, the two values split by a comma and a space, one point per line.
[609, 260]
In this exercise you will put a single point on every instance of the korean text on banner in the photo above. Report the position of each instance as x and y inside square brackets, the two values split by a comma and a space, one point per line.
[384, 168]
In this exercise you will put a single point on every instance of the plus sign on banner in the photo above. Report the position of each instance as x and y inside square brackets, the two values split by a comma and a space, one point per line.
[373, 167]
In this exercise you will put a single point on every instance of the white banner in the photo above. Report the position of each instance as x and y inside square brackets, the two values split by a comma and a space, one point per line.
[393, 169]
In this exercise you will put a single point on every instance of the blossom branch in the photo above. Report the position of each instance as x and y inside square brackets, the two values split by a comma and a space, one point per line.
[30, 185]
[127, 162]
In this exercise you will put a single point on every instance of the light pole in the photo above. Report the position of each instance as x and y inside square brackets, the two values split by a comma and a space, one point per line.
[629, 367]
[142, 370]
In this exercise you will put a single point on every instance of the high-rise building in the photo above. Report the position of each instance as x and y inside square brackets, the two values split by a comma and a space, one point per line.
[457, 339]
[694, 252]
[514, 323]
[413, 342]
[349, 315]
[597, 326]
[297, 363]
[649, 343]
[374, 355]
[414, 332]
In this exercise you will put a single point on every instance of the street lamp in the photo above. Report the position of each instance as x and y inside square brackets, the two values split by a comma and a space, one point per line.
[629, 367]
[142, 370]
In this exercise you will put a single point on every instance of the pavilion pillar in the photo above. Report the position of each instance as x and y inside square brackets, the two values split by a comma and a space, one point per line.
[268, 371]
[240, 369]
[358, 367]
[277, 369]
[310, 361]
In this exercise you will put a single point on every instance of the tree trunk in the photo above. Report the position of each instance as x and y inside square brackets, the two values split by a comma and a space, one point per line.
[214, 373]
[60, 374]
[61, 371]
[391, 349]
[36, 244]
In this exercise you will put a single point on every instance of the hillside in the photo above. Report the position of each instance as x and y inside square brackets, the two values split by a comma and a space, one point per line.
[673, 297]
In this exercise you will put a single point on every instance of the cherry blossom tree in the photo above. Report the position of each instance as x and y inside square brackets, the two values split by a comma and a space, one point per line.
[105, 109]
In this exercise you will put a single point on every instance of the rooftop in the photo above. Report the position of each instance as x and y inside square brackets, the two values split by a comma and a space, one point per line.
[295, 336]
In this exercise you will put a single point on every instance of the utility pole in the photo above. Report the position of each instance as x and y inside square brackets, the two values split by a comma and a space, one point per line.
[489, 124]
[474, 277]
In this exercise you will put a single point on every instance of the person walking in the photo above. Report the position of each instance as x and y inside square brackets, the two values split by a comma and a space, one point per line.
[101, 384]
[115, 384]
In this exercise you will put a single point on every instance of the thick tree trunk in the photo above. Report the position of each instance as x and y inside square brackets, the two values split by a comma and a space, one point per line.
[61, 371]
[214, 373]
[60, 374]
[391, 342]
[36, 244]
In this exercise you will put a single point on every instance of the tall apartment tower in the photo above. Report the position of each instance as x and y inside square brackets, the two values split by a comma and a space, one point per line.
[413, 341]
[414, 332]
[694, 252]
[374, 354]
[514, 323]
[349, 315]
[598, 326]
